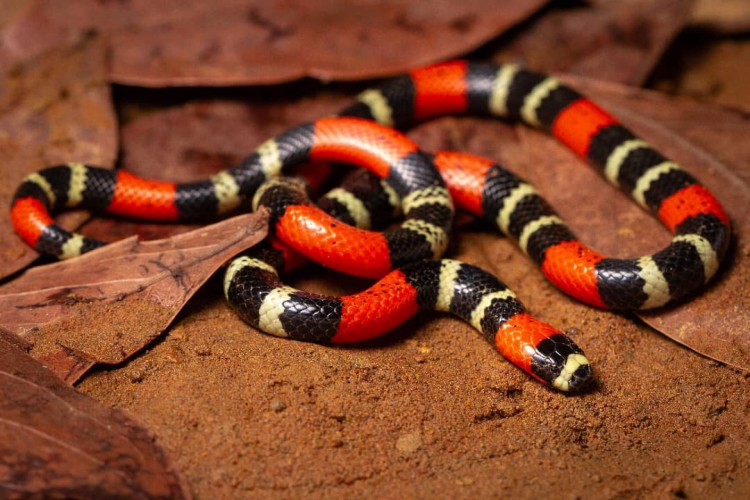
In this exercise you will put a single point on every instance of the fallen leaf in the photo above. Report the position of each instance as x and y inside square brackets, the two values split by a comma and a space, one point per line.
[105, 305]
[723, 16]
[614, 40]
[230, 42]
[58, 443]
[53, 109]
[707, 69]
[174, 143]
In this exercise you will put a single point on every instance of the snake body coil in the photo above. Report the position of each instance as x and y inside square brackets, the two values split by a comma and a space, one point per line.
[252, 285]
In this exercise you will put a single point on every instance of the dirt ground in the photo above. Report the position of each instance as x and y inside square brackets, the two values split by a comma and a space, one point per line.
[432, 409]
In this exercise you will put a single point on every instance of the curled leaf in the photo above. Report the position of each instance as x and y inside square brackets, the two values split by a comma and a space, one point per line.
[105, 305]
[614, 40]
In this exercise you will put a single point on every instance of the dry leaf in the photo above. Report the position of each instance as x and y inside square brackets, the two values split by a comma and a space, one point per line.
[58, 443]
[53, 109]
[231, 42]
[614, 40]
[714, 70]
[723, 16]
[105, 305]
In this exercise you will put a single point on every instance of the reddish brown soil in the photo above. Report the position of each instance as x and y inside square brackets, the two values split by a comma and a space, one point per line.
[432, 409]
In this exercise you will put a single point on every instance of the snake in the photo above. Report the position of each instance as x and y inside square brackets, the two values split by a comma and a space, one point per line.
[407, 258]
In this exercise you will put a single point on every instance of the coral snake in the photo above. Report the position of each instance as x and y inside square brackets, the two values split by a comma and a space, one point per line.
[406, 258]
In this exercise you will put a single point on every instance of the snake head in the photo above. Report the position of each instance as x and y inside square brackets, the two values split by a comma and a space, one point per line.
[559, 362]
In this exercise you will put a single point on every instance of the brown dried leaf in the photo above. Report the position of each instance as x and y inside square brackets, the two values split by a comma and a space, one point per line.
[108, 304]
[53, 109]
[58, 443]
[232, 42]
[708, 69]
[724, 16]
[614, 40]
